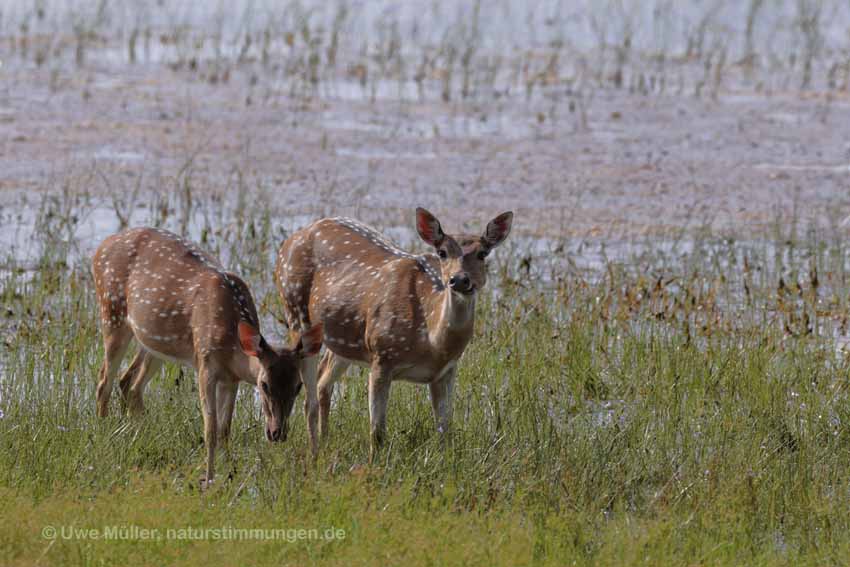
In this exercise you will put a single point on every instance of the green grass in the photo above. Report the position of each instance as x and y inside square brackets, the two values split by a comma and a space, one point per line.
[659, 413]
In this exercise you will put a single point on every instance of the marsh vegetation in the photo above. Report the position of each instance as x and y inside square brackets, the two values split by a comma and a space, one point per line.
[684, 401]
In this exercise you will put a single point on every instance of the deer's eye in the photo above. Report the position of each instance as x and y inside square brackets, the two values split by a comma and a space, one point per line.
[482, 255]
[442, 254]
[265, 386]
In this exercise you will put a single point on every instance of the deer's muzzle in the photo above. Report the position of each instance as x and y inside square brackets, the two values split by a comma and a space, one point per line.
[461, 283]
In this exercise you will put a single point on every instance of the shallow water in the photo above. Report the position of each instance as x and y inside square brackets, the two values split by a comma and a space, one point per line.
[655, 26]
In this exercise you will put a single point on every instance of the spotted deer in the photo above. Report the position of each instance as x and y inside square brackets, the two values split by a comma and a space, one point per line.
[180, 305]
[402, 316]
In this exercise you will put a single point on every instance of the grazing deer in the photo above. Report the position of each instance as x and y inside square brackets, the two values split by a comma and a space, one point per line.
[180, 305]
[400, 315]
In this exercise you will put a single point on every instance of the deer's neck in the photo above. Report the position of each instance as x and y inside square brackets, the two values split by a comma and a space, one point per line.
[451, 319]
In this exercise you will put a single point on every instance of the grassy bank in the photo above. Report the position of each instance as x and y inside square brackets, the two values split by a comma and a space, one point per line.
[680, 407]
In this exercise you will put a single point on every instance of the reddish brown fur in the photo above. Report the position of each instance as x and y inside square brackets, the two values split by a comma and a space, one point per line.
[179, 304]
[384, 308]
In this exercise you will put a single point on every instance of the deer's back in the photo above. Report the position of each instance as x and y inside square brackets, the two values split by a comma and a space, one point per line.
[176, 298]
[371, 297]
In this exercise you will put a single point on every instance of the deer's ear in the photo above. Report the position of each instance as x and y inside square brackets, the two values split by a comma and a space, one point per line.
[250, 339]
[429, 228]
[498, 230]
[311, 341]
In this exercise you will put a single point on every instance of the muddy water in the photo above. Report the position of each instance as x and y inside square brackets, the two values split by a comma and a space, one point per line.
[574, 156]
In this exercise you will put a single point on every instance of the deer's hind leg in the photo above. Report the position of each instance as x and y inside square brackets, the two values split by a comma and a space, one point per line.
[309, 370]
[116, 339]
[133, 390]
[379, 396]
[330, 369]
[127, 378]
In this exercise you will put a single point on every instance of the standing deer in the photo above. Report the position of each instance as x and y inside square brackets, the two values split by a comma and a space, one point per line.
[402, 316]
[180, 305]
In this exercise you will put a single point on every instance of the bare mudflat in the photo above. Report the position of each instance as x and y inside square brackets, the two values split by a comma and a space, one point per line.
[632, 165]
[606, 141]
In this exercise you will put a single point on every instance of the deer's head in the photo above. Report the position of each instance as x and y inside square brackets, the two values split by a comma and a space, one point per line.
[280, 380]
[463, 257]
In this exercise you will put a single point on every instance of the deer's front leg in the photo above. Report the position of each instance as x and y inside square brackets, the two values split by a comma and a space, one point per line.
[309, 370]
[207, 391]
[226, 402]
[442, 390]
[379, 397]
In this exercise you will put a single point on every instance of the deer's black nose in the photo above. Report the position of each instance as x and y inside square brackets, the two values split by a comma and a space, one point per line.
[459, 282]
